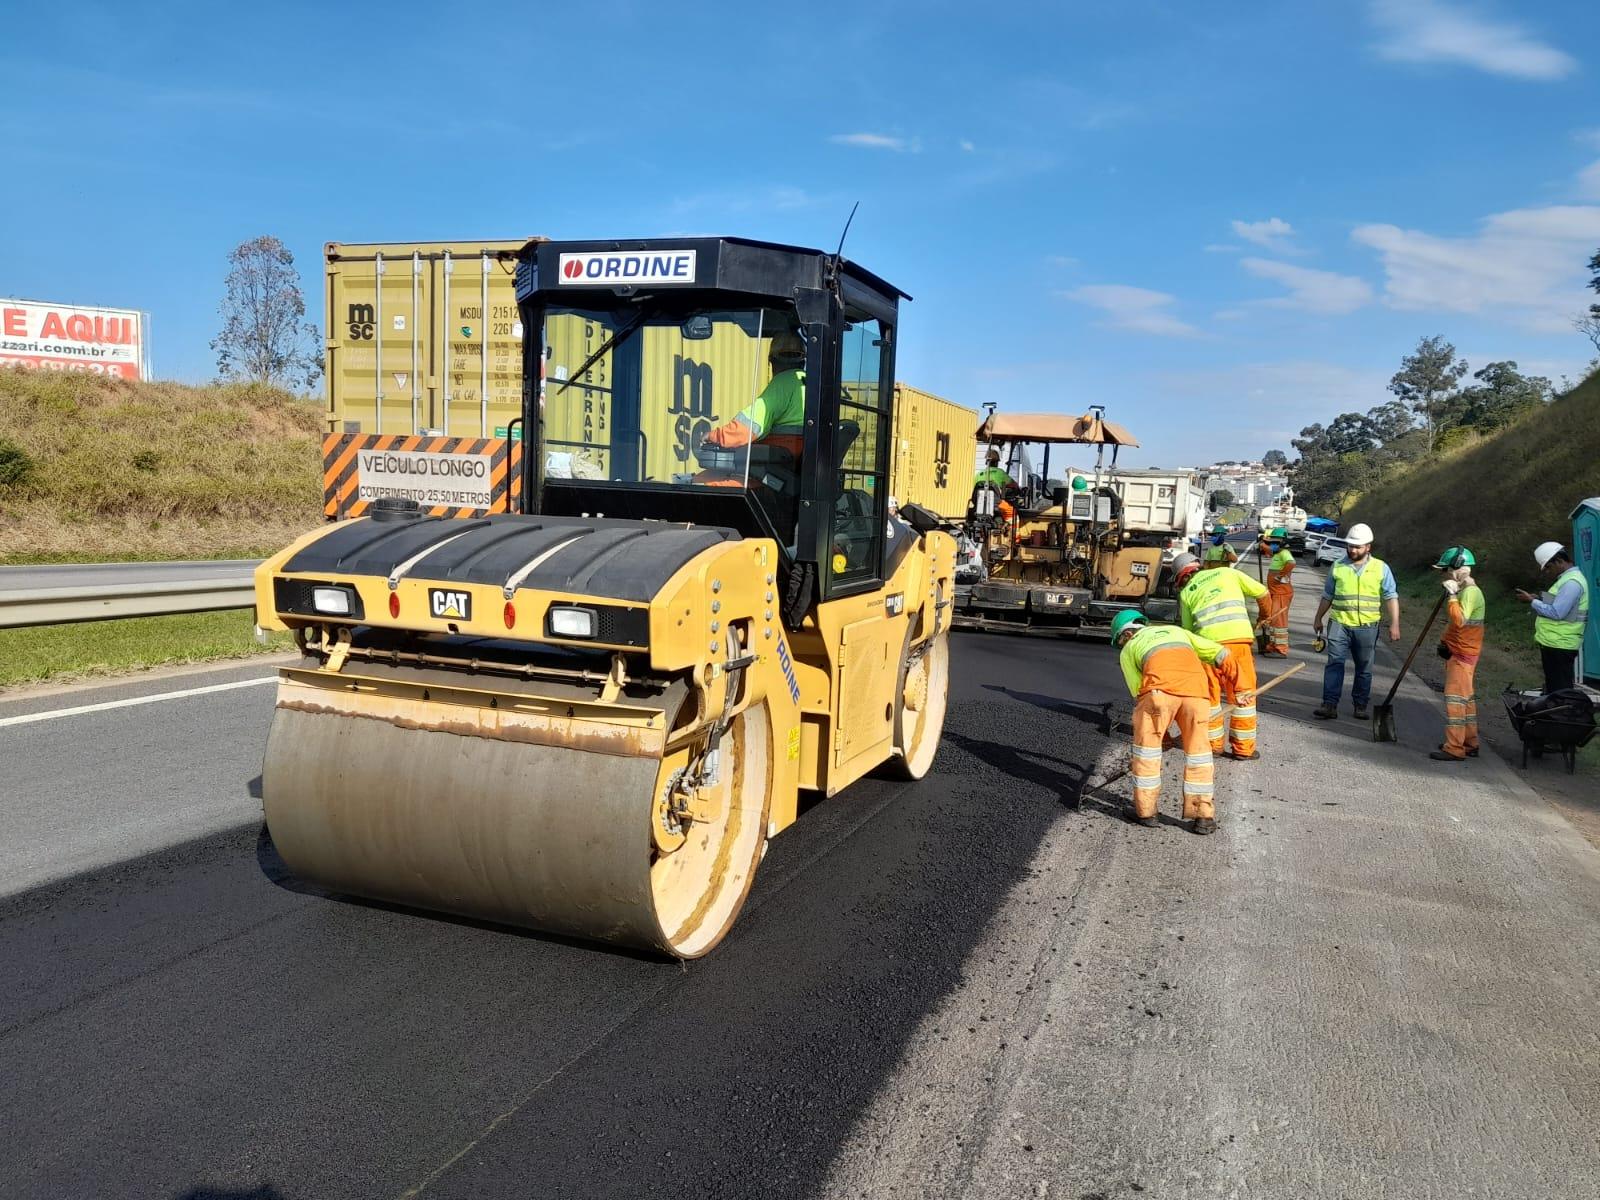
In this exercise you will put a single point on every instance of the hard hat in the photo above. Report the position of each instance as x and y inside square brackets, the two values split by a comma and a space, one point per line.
[1359, 535]
[993, 455]
[1454, 557]
[1183, 565]
[1280, 534]
[1546, 551]
[787, 345]
[1124, 619]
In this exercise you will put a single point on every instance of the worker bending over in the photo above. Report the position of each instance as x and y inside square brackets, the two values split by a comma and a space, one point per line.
[1165, 669]
[1461, 646]
[1219, 553]
[1215, 605]
[1559, 616]
[1360, 591]
[1280, 593]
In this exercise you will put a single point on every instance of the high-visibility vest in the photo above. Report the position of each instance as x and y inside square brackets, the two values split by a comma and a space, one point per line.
[1568, 634]
[1213, 604]
[1181, 674]
[1358, 599]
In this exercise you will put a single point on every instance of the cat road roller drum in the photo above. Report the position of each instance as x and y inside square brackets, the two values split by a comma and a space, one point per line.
[588, 716]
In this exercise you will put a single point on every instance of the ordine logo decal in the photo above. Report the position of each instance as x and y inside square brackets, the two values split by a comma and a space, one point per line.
[611, 267]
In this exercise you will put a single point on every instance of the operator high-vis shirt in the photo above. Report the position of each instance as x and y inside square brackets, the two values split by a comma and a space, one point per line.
[1357, 593]
[994, 476]
[779, 411]
[1281, 565]
[1463, 636]
[1560, 615]
[1164, 658]
[1212, 604]
[1220, 554]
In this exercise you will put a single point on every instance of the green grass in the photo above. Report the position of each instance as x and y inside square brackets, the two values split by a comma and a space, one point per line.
[57, 652]
[129, 470]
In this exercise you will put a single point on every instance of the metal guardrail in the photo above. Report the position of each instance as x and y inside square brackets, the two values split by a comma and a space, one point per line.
[107, 601]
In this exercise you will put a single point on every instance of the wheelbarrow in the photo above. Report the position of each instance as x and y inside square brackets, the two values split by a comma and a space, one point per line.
[1563, 721]
[1383, 726]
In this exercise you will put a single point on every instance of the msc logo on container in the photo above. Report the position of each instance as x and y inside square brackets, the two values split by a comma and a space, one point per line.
[614, 267]
[450, 605]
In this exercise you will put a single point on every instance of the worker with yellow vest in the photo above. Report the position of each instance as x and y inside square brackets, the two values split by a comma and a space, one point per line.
[1460, 647]
[1280, 592]
[1214, 605]
[1166, 671]
[1559, 616]
[1219, 553]
[1360, 592]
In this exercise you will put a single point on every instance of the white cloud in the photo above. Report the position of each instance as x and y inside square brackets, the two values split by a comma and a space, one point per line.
[966, 145]
[1589, 181]
[1137, 309]
[1589, 137]
[877, 141]
[1312, 291]
[1525, 266]
[1272, 234]
[1430, 31]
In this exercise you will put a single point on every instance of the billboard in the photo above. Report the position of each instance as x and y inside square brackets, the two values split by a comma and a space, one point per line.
[70, 337]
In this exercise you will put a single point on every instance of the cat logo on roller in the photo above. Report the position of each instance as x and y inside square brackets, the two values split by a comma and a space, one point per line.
[449, 605]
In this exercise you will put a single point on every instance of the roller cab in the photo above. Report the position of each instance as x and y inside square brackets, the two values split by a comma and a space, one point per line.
[588, 717]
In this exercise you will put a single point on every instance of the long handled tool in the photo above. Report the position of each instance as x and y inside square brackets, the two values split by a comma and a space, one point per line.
[1383, 728]
[1277, 679]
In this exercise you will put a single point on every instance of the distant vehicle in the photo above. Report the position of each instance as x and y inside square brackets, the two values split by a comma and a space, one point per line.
[1331, 550]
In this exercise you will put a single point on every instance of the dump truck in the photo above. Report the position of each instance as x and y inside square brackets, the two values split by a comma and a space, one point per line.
[1065, 556]
[589, 716]
[423, 362]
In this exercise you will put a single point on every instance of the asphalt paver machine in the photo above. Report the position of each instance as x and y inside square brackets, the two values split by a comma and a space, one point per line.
[589, 717]
[1053, 556]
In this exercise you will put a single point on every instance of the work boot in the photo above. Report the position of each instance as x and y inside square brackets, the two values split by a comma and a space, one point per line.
[1237, 757]
[1473, 753]
[1362, 713]
[1150, 822]
[1325, 713]
[1443, 756]
[1205, 825]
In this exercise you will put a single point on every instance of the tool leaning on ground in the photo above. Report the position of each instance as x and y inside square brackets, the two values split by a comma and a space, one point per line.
[1383, 725]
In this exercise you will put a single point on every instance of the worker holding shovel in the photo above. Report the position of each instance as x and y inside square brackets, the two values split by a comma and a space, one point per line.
[1462, 644]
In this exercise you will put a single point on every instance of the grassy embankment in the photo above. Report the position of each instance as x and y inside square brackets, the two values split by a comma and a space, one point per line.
[1501, 495]
[99, 470]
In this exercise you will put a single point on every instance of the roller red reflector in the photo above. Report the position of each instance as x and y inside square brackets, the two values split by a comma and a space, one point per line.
[394, 604]
[510, 615]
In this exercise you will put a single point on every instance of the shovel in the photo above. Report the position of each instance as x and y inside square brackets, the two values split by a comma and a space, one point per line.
[1383, 728]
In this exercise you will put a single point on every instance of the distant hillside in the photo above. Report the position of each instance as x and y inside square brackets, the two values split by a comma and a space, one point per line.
[1501, 496]
[103, 468]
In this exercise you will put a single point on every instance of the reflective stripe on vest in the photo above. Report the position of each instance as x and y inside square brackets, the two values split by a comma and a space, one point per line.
[1154, 638]
[1357, 599]
[1568, 634]
[1217, 607]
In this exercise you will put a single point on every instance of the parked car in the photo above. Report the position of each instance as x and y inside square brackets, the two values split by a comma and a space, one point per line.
[1331, 550]
[1312, 543]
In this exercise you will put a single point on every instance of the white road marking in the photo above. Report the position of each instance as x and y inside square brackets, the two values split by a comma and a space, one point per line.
[52, 714]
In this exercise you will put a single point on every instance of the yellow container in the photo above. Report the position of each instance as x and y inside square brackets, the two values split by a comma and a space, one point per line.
[936, 441]
[422, 337]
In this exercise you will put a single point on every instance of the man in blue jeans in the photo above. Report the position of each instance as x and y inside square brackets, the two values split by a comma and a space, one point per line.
[1360, 592]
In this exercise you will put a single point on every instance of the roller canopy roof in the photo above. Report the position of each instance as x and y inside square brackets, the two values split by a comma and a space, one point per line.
[1054, 427]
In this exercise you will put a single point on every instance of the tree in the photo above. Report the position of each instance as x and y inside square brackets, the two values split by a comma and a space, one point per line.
[264, 335]
[1502, 392]
[1589, 325]
[1390, 422]
[1426, 383]
[1274, 460]
[1220, 499]
[1594, 282]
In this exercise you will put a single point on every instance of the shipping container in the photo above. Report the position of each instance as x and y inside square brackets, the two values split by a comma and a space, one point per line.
[422, 337]
[935, 441]
[436, 350]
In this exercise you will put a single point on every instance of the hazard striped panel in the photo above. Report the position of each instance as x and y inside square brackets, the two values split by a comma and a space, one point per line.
[358, 467]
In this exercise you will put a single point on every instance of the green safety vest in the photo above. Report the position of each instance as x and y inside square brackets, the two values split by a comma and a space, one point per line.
[1568, 634]
[780, 408]
[1358, 598]
[1219, 554]
[995, 476]
[1212, 604]
[1159, 637]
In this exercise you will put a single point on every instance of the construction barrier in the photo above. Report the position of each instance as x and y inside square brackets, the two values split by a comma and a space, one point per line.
[448, 477]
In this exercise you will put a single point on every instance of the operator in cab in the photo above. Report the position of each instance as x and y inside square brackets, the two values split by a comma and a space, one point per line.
[994, 475]
[777, 417]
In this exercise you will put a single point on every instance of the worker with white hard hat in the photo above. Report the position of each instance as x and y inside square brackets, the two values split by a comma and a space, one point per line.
[1360, 592]
[1559, 615]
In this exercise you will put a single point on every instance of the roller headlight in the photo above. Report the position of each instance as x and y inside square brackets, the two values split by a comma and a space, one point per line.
[332, 601]
[566, 622]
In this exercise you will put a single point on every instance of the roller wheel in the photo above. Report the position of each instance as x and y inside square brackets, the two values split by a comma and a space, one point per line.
[920, 707]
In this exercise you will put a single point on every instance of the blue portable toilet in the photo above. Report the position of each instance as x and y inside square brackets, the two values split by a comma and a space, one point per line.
[1586, 553]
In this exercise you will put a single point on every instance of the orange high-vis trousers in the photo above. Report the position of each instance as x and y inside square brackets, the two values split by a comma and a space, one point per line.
[1237, 674]
[1460, 708]
[1278, 599]
[1152, 714]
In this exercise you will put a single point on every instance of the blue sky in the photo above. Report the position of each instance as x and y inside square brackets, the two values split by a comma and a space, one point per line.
[1222, 221]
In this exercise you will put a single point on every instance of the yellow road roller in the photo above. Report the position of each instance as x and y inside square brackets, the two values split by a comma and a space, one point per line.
[587, 715]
